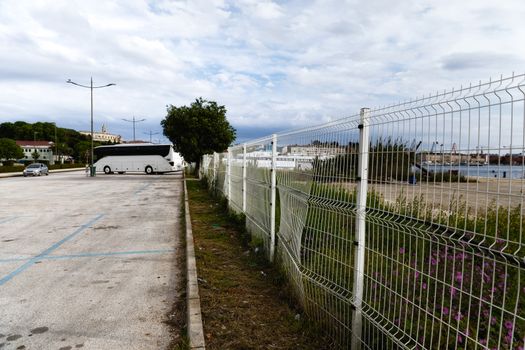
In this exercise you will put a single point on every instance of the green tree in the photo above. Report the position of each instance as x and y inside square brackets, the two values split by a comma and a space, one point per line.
[70, 142]
[35, 155]
[10, 150]
[83, 149]
[199, 129]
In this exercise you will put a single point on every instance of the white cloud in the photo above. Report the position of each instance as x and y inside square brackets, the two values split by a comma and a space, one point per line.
[273, 64]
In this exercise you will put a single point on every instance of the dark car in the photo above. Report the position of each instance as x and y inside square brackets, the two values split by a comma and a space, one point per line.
[36, 169]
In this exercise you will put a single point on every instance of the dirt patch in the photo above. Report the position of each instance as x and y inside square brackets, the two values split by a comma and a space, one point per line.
[243, 299]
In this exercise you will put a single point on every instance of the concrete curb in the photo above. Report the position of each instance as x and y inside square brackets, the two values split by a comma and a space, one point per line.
[195, 329]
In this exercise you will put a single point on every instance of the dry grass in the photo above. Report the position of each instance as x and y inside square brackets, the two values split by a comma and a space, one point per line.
[243, 299]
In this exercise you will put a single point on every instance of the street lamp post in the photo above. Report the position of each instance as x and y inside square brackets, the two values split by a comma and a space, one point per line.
[151, 133]
[34, 145]
[134, 121]
[91, 87]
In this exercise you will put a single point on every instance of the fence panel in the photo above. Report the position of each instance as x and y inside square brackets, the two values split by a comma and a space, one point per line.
[236, 178]
[221, 169]
[258, 190]
[444, 247]
[445, 239]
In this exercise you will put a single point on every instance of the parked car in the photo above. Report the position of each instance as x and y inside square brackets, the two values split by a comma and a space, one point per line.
[36, 169]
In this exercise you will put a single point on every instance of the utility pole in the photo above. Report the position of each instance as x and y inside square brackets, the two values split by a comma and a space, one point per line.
[150, 133]
[133, 121]
[56, 144]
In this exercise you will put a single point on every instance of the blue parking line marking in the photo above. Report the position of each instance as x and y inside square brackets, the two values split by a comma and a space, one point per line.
[142, 188]
[92, 255]
[49, 250]
[13, 260]
[11, 218]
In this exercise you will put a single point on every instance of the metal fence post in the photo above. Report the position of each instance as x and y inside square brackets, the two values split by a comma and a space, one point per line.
[244, 178]
[360, 227]
[228, 176]
[273, 196]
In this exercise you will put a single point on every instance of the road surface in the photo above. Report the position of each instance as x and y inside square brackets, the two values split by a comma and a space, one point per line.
[88, 262]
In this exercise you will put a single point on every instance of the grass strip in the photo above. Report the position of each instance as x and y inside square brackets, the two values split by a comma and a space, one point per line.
[244, 300]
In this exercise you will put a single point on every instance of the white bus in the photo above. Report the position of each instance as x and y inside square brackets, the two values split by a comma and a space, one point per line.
[148, 158]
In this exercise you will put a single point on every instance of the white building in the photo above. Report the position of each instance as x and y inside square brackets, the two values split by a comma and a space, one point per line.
[44, 149]
[103, 135]
[313, 150]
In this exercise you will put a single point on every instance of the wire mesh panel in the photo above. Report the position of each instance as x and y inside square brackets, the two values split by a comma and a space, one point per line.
[258, 190]
[209, 169]
[236, 178]
[221, 167]
[205, 167]
[317, 218]
[444, 247]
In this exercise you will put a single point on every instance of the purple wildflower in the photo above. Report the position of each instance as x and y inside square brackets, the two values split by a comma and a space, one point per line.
[509, 324]
[424, 285]
[402, 250]
[445, 310]
[459, 276]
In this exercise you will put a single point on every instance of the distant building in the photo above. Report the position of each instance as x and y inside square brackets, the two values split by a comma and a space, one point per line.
[454, 158]
[313, 150]
[135, 141]
[44, 149]
[103, 135]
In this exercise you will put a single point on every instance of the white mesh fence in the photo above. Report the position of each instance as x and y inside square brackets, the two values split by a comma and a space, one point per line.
[237, 163]
[401, 227]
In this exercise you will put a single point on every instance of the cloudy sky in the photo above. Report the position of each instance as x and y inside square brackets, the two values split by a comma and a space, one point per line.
[274, 64]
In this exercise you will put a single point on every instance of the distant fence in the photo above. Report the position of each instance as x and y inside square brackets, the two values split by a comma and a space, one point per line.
[402, 226]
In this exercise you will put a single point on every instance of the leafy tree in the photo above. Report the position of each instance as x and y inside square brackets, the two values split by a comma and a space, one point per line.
[35, 155]
[199, 129]
[10, 150]
[70, 142]
[83, 150]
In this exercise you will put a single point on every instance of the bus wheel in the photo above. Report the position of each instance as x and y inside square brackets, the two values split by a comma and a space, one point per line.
[107, 170]
[149, 170]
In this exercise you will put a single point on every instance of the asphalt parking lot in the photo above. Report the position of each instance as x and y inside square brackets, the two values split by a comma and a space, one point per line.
[88, 262]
